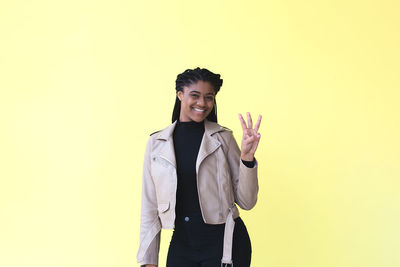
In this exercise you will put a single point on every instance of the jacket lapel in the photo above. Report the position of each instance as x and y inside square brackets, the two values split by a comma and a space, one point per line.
[208, 144]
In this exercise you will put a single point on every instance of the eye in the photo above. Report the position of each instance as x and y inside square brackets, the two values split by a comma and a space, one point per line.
[209, 98]
[194, 95]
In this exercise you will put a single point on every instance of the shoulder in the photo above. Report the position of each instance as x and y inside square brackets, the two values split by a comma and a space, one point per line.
[223, 129]
[226, 129]
[225, 133]
[162, 129]
[163, 133]
[157, 136]
[213, 127]
[221, 132]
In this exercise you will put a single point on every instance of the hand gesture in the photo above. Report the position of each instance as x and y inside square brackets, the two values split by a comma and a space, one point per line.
[250, 138]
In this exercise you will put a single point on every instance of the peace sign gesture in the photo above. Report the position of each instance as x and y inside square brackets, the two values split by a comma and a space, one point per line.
[250, 138]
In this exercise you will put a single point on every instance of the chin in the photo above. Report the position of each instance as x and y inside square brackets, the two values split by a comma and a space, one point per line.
[198, 118]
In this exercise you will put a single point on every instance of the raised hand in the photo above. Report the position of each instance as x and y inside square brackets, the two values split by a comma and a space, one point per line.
[250, 138]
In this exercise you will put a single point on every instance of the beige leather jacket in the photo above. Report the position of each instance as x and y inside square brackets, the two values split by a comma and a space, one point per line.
[222, 181]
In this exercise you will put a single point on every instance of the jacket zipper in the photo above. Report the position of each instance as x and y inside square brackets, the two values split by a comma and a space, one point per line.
[175, 186]
[219, 189]
[197, 183]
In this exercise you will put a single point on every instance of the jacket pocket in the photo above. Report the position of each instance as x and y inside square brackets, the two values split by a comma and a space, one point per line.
[163, 207]
[165, 215]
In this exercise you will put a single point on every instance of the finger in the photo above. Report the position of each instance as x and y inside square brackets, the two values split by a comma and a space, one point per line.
[258, 123]
[249, 139]
[255, 145]
[249, 121]
[242, 122]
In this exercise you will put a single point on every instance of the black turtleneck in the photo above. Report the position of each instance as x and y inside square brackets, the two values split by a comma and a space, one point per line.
[187, 138]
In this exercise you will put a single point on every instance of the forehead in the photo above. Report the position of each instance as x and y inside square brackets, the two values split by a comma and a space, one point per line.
[200, 86]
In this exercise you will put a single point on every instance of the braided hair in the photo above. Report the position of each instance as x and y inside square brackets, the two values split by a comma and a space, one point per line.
[191, 76]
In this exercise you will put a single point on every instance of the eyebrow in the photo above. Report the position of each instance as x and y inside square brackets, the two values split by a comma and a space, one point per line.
[194, 91]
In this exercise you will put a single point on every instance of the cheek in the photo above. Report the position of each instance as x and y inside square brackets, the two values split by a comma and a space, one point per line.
[189, 104]
[185, 104]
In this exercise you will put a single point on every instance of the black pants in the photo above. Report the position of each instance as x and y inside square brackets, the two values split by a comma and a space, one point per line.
[196, 244]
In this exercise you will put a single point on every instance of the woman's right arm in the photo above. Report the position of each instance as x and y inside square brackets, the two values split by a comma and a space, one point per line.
[149, 221]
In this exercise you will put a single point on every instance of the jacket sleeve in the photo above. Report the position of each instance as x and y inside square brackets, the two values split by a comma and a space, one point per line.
[244, 179]
[149, 222]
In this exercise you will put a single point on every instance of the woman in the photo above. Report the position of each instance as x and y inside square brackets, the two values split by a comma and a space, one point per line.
[193, 174]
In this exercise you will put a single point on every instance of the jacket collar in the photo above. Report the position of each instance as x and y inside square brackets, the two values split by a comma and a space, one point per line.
[210, 128]
[208, 144]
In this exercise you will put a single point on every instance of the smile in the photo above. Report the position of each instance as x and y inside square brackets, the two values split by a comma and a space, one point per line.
[199, 110]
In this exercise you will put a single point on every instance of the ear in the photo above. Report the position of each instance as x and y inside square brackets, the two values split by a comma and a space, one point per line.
[179, 94]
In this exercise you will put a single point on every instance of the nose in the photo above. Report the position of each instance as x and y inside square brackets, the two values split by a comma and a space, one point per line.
[200, 102]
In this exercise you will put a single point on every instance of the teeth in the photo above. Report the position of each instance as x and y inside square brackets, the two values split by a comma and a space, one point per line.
[200, 110]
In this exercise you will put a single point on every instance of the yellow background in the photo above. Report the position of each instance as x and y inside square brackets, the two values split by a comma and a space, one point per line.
[83, 84]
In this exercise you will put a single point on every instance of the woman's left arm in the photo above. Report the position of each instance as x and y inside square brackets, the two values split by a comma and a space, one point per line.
[244, 179]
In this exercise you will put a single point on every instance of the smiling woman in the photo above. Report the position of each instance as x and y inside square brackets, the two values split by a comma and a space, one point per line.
[203, 83]
[194, 174]
[197, 101]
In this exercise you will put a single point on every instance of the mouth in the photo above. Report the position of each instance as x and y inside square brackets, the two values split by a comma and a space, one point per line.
[199, 110]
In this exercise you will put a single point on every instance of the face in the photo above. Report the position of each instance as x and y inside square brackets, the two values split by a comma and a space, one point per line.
[197, 101]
